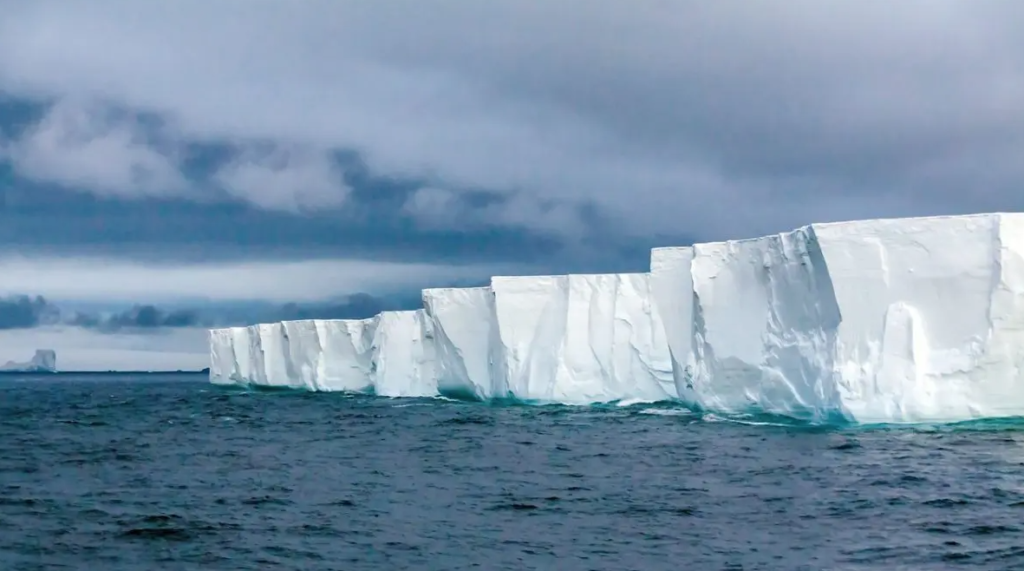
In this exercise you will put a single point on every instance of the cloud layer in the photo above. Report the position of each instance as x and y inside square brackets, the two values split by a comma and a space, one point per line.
[100, 279]
[22, 312]
[190, 162]
[674, 118]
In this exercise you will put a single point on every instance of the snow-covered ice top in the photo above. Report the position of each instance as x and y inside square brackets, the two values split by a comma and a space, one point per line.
[896, 320]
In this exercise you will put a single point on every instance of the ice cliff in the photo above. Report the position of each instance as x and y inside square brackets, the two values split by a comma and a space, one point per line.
[390, 355]
[469, 355]
[581, 339]
[898, 320]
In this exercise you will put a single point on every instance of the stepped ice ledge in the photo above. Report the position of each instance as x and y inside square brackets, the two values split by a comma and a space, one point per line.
[900, 320]
[576, 339]
[389, 355]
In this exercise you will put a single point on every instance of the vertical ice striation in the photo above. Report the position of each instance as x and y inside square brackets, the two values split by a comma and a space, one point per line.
[932, 316]
[249, 354]
[277, 371]
[346, 359]
[582, 339]
[403, 354]
[673, 296]
[303, 357]
[999, 378]
[899, 320]
[468, 349]
[222, 357]
[319, 355]
[766, 332]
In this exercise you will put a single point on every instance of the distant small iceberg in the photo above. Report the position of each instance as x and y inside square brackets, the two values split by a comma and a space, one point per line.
[44, 361]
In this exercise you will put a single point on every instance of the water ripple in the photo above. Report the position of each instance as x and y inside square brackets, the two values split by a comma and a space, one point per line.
[134, 474]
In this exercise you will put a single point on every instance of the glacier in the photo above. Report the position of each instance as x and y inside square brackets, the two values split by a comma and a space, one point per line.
[874, 321]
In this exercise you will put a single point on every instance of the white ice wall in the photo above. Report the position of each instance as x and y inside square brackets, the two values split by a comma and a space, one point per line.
[673, 297]
[468, 348]
[403, 355]
[222, 356]
[303, 356]
[581, 339]
[277, 371]
[248, 355]
[765, 326]
[933, 316]
[346, 361]
[321, 355]
[879, 321]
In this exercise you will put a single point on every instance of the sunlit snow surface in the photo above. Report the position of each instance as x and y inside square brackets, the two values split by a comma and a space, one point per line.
[876, 321]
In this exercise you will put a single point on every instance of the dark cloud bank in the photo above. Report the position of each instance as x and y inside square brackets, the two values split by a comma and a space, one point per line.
[27, 312]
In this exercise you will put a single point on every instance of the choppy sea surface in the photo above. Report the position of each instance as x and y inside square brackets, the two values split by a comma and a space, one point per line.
[139, 473]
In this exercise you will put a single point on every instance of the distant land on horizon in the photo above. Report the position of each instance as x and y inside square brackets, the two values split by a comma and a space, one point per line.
[205, 371]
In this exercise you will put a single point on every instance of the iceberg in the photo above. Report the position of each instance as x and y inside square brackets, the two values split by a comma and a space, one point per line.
[43, 361]
[894, 320]
[581, 339]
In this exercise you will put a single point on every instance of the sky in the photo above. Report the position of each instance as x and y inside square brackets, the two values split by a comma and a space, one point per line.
[166, 167]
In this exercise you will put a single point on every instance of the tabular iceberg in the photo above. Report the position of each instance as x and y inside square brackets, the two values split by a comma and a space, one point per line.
[581, 339]
[897, 320]
[43, 361]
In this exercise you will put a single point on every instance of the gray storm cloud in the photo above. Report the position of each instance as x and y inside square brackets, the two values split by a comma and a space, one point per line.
[22, 312]
[715, 119]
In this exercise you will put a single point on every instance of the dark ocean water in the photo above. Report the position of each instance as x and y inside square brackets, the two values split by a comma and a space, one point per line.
[171, 473]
